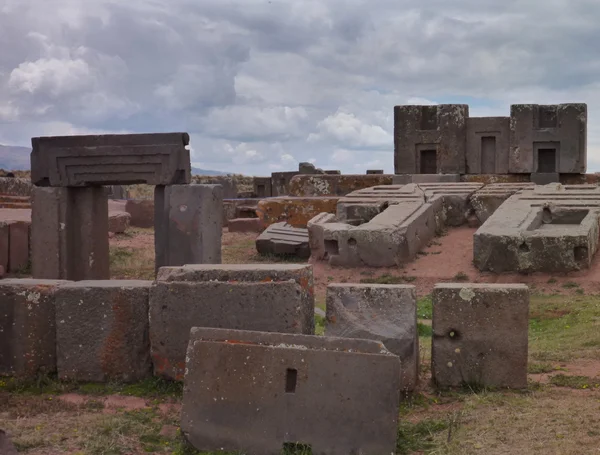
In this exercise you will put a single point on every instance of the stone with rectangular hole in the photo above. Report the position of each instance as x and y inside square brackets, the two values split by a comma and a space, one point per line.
[102, 331]
[387, 313]
[480, 335]
[27, 331]
[111, 159]
[256, 392]
[271, 298]
[550, 228]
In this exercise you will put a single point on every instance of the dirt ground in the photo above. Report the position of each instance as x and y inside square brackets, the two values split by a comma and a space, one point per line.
[558, 414]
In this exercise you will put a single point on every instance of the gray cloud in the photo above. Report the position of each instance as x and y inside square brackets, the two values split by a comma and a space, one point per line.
[263, 84]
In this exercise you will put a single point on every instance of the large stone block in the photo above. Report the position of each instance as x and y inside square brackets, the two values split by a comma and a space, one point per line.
[255, 392]
[294, 210]
[19, 246]
[118, 222]
[487, 145]
[316, 235]
[404, 179]
[489, 198]
[250, 297]
[548, 138]
[27, 330]
[188, 224]
[262, 187]
[430, 139]
[334, 185]
[280, 182]
[455, 198]
[387, 313]
[281, 239]
[102, 331]
[244, 225]
[480, 335]
[112, 159]
[141, 211]
[69, 233]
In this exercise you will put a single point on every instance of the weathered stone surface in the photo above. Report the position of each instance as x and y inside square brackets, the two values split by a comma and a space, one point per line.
[69, 233]
[545, 178]
[489, 198]
[227, 182]
[245, 225]
[239, 208]
[294, 210]
[283, 239]
[387, 313]
[374, 171]
[14, 202]
[18, 257]
[15, 186]
[141, 211]
[548, 138]
[225, 296]
[480, 335]
[308, 168]
[112, 159]
[188, 224]
[488, 179]
[404, 179]
[455, 197]
[118, 222]
[316, 235]
[6, 446]
[280, 182]
[27, 331]
[334, 185]
[262, 187]
[287, 389]
[487, 145]
[102, 330]
[430, 139]
[550, 228]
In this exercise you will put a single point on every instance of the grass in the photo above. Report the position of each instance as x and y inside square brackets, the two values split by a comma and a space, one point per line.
[570, 285]
[425, 307]
[461, 276]
[575, 382]
[136, 263]
[419, 436]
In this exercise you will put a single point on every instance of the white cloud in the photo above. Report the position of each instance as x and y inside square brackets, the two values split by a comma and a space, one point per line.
[347, 129]
[56, 77]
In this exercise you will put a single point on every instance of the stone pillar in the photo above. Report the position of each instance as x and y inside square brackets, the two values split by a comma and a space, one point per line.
[188, 222]
[69, 233]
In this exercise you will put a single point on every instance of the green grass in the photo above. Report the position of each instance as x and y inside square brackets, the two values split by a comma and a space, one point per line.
[319, 325]
[418, 437]
[539, 367]
[425, 307]
[575, 382]
[570, 285]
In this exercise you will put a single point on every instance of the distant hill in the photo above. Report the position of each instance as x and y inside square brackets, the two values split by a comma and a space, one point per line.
[15, 158]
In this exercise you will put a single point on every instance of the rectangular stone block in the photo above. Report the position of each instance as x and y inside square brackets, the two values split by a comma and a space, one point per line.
[19, 246]
[280, 182]
[488, 141]
[251, 297]
[4, 245]
[102, 331]
[489, 198]
[69, 233]
[386, 313]
[316, 235]
[480, 335]
[262, 187]
[430, 139]
[27, 329]
[244, 225]
[141, 211]
[334, 185]
[188, 224]
[111, 159]
[281, 239]
[294, 210]
[403, 179]
[255, 392]
[545, 178]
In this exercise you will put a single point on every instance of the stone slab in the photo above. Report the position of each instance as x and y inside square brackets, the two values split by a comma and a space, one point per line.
[112, 159]
[387, 313]
[141, 211]
[545, 178]
[280, 182]
[488, 141]
[256, 391]
[489, 198]
[480, 335]
[404, 179]
[455, 199]
[177, 306]
[188, 224]
[316, 235]
[281, 239]
[102, 331]
[27, 328]
[334, 185]
[118, 222]
[244, 225]
[4, 245]
[18, 259]
[262, 187]
[294, 210]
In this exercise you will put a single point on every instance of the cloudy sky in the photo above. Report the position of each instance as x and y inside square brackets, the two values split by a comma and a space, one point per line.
[263, 84]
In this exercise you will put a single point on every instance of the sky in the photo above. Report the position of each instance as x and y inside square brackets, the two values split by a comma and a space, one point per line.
[261, 85]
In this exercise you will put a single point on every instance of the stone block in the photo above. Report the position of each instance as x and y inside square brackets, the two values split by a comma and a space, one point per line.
[15, 186]
[281, 239]
[548, 138]
[334, 185]
[404, 179]
[455, 198]
[430, 139]
[274, 298]
[488, 141]
[316, 235]
[280, 182]
[308, 168]
[374, 171]
[489, 198]
[4, 245]
[262, 187]
[386, 313]
[18, 257]
[245, 225]
[489, 179]
[239, 208]
[27, 330]
[102, 331]
[6, 445]
[188, 224]
[228, 183]
[294, 210]
[545, 178]
[141, 211]
[480, 335]
[69, 233]
[258, 391]
[112, 159]
[118, 222]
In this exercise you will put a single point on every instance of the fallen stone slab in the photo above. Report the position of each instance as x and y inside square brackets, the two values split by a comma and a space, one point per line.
[244, 225]
[480, 335]
[281, 239]
[387, 313]
[111, 159]
[251, 390]
[27, 328]
[102, 331]
[118, 222]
